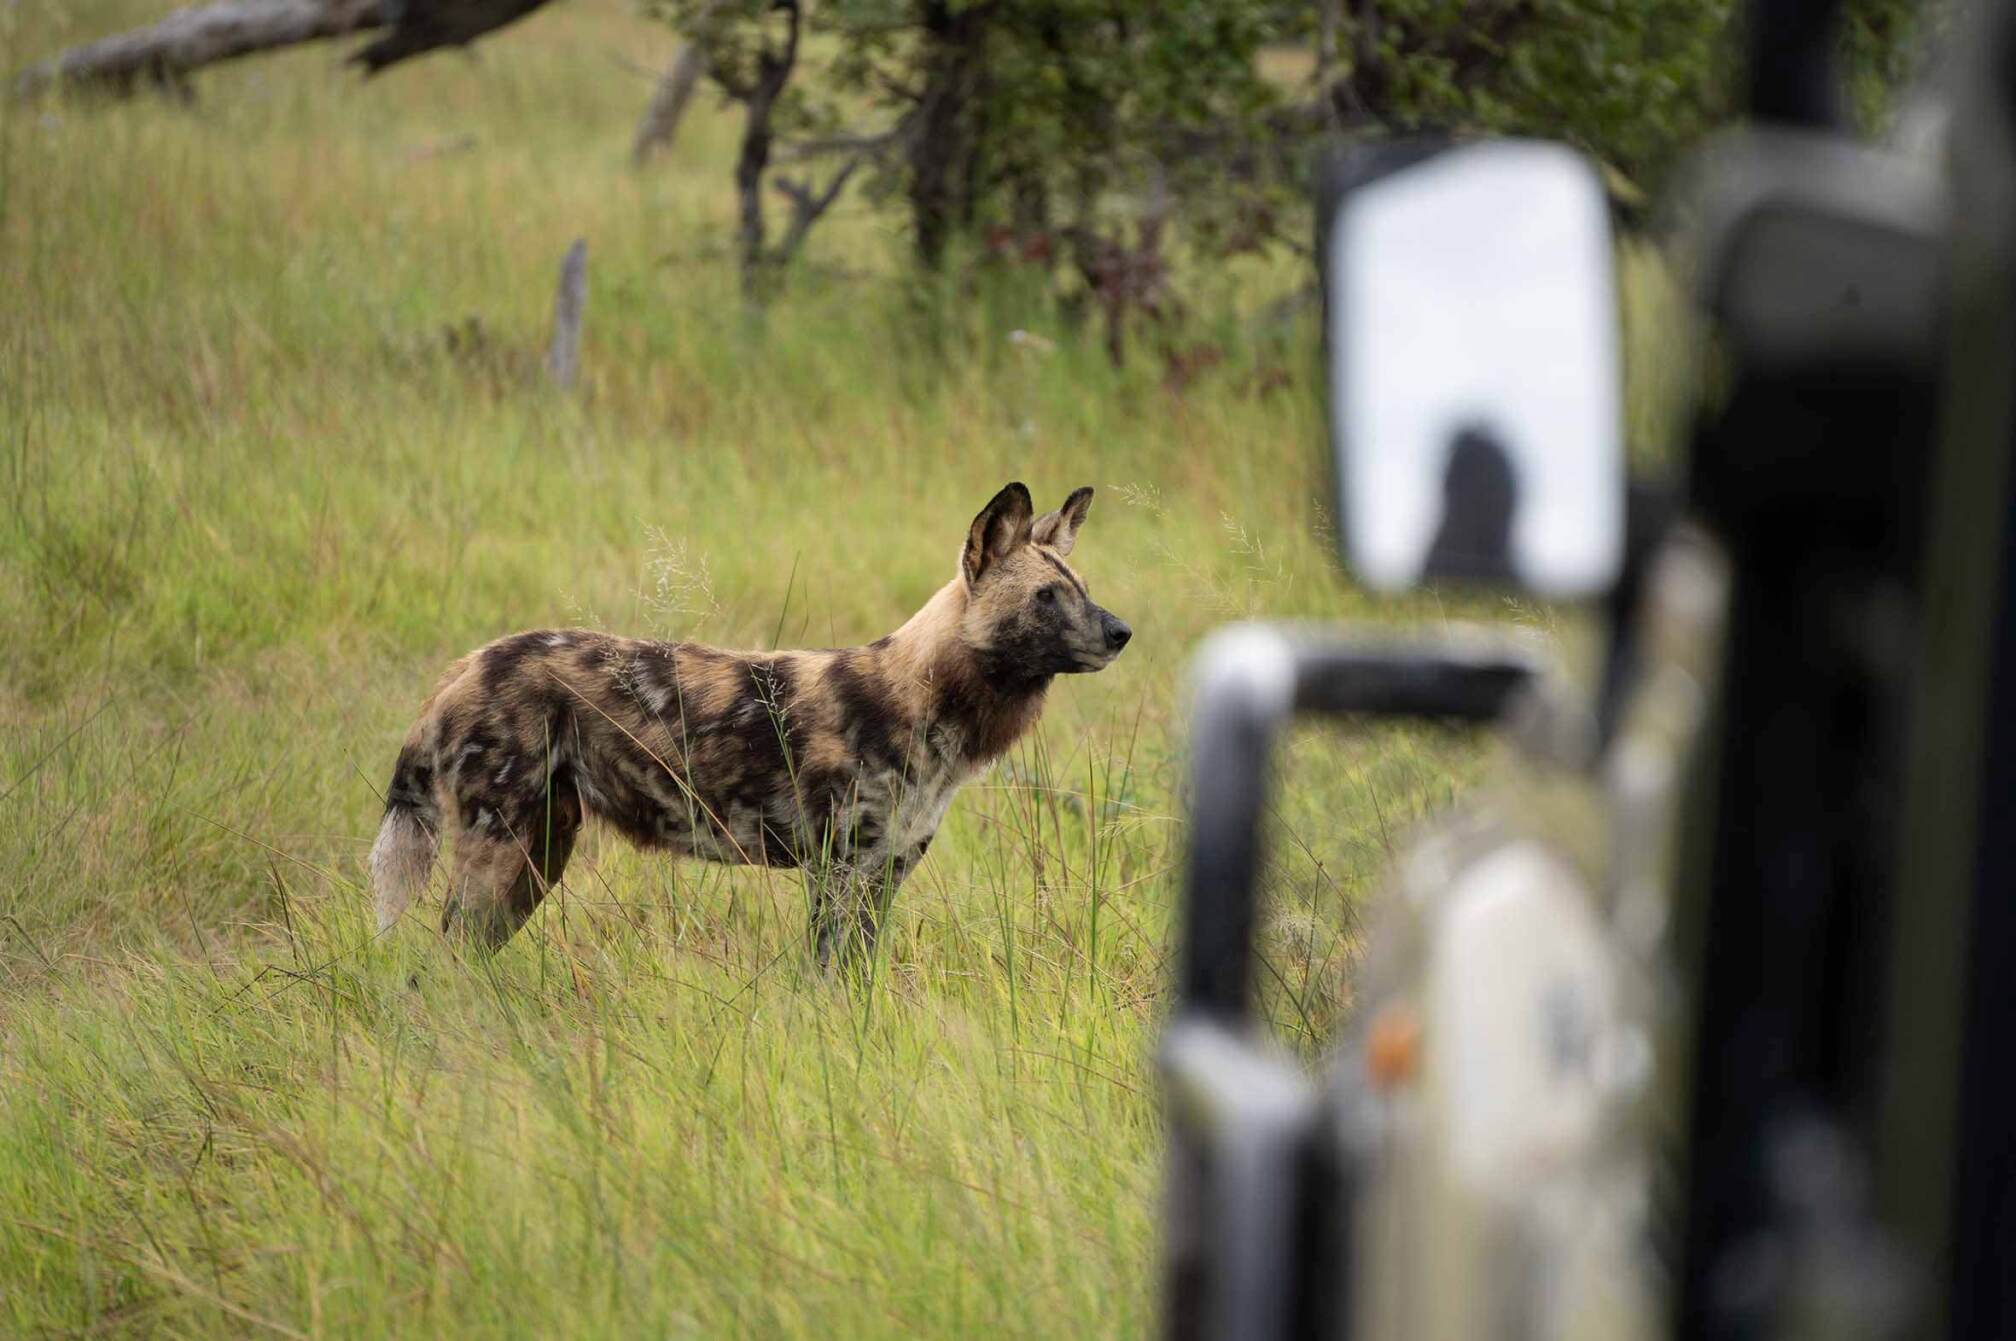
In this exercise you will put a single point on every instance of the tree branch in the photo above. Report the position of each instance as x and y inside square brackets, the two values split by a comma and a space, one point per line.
[421, 26]
[773, 72]
[807, 207]
[865, 146]
[728, 83]
[1329, 15]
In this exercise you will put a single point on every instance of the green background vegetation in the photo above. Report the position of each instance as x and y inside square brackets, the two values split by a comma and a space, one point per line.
[273, 448]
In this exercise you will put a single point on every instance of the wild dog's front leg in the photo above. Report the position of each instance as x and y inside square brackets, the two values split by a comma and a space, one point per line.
[837, 928]
[849, 900]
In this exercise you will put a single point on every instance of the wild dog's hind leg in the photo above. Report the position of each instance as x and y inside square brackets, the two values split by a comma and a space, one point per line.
[506, 861]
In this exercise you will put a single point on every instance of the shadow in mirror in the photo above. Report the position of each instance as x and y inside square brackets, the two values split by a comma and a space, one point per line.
[1480, 497]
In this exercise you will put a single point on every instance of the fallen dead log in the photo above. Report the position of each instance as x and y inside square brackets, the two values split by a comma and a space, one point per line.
[167, 52]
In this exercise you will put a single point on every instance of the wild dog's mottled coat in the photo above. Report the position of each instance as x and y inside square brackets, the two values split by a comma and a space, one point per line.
[839, 761]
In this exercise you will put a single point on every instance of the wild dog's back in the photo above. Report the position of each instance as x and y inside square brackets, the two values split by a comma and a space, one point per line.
[678, 745]
[846, 759]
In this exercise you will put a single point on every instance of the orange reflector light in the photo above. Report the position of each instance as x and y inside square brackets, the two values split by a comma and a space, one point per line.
[1393, 1046]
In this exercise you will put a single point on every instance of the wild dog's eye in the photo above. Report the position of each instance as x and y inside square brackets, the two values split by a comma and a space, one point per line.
[1047, 596]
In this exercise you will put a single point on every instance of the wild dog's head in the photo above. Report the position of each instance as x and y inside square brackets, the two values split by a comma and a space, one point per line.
[1028, 615]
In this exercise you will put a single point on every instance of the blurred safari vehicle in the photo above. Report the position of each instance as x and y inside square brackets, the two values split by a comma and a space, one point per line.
[1694, 1021]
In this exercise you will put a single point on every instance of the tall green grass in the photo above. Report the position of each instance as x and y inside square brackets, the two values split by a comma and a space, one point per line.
[272, 451]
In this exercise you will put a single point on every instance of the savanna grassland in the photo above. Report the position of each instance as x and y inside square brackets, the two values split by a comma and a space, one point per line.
[273, 449]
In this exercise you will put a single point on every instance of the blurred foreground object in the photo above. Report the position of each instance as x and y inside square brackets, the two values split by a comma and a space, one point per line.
[1694, 1021]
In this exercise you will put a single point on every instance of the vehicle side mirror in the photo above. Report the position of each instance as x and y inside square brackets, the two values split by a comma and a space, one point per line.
[1475, 388]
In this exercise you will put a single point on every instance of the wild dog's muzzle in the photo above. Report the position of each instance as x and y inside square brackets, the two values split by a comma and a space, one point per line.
[1109, 634]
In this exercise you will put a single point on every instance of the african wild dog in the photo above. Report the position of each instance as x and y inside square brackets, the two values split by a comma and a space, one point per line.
[841, 762]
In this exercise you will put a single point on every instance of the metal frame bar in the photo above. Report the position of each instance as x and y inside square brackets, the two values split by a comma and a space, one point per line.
[1259, 1204]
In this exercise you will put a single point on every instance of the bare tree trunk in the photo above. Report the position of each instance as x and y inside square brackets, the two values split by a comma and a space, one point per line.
[563, 357]
[668, 103]
[203, 35]
[1354, 97]
[773, 71]
[1329, 16]
[940, 144]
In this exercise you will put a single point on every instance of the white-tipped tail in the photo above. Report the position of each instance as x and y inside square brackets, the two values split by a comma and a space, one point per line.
[400, 862]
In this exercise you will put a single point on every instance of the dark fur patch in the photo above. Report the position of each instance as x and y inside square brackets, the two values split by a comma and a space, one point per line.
[763, 724]
[625, 798]
[411, 793]
[653, 676]
[878, 729]
[989, 711]
[1077, 583]
[412, 781]
[822, 792]
[504, 662]
[1022, 656]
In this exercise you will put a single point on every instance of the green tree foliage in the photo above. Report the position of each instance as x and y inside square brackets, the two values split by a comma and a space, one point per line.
[1074, 135]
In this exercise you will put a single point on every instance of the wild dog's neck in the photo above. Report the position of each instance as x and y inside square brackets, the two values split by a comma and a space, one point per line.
[931, 655]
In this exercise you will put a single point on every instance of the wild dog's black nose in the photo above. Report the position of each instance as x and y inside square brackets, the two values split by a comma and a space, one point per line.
[1117, 633]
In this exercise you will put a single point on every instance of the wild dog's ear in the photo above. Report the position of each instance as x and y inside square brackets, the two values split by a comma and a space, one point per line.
[1001, 526]
[1059, 529]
